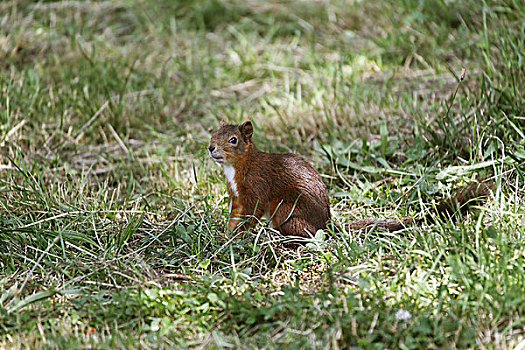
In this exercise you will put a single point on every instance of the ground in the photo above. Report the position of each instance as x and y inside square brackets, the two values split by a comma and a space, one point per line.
[112, 222]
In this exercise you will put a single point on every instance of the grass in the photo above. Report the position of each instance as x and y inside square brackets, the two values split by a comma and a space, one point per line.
[112, 224]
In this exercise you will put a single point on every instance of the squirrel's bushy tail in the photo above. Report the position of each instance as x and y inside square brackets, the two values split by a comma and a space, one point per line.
[460, 201]
[464, 197]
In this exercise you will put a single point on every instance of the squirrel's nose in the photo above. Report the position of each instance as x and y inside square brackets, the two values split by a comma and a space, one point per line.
[211, 148]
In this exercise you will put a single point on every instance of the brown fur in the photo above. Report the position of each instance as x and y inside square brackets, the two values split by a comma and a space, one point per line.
[290, 191]
[284, 186]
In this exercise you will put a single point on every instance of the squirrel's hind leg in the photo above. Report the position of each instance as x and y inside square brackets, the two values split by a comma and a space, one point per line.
[296, 227]
[290, 221]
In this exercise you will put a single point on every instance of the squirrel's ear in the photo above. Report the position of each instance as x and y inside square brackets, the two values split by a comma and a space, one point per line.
[222, 123]
[246, 129]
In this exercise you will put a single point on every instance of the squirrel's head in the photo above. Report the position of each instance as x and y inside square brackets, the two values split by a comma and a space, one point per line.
[231, 142]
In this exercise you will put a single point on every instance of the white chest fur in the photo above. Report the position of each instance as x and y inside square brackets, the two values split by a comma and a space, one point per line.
[229, 171]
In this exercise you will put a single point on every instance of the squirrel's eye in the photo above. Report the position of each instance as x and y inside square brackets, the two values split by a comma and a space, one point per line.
[233, 140]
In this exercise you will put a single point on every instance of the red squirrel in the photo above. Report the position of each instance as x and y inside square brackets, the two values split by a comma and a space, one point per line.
[281, 186]
[287, 189]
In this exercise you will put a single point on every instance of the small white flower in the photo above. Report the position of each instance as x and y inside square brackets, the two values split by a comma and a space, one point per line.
[403, 315]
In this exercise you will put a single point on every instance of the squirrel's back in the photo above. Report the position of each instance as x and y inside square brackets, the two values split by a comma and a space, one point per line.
[287, 177]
